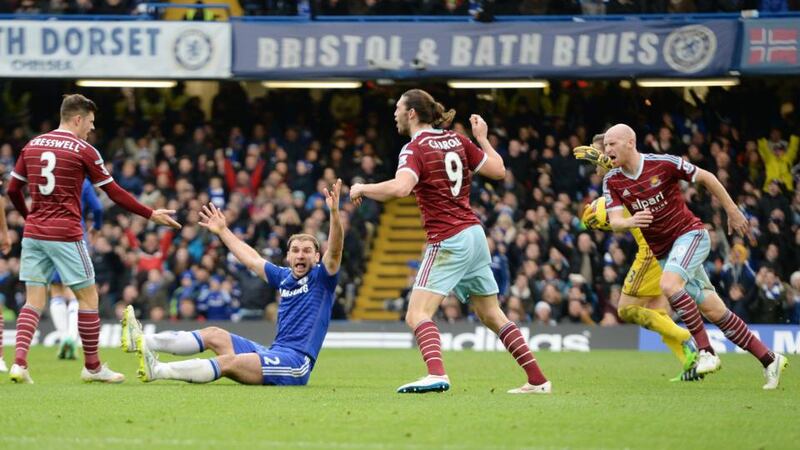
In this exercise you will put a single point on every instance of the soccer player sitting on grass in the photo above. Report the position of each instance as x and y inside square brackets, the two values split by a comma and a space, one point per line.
[307, 294]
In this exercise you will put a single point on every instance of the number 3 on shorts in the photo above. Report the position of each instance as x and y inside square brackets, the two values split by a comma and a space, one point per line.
[49, 160]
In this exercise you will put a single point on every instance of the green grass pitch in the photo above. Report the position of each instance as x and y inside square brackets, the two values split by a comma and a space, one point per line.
[602, 399]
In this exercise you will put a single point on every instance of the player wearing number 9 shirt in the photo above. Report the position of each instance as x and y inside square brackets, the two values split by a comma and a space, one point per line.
[54, 166]
[437, 165]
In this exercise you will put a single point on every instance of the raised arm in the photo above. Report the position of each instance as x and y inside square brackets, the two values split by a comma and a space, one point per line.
[214, 221]
[764, 151]
[493, 167]
[332, 259]
[736, 220]
[791, 152]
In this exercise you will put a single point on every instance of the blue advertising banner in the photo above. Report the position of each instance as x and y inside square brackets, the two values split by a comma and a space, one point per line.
[574, 49]
[770, 46]
[779, 338]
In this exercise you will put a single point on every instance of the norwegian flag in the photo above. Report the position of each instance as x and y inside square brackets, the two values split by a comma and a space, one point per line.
[773, 46]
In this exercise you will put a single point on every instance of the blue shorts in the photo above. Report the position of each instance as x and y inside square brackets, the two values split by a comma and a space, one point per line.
[280, 366]
[686, 258]
[56, 279]
[460, 263]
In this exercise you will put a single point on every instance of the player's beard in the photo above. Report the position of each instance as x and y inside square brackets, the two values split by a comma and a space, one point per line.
[402, 127]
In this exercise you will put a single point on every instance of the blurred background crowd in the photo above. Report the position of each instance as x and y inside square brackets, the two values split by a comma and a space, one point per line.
[413, 7]
[265, 157]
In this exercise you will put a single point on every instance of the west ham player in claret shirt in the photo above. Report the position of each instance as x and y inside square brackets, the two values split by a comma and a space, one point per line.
[54, 166]
[437, 165]
[648, 186]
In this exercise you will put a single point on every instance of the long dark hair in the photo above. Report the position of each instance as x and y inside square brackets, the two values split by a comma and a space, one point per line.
[428, 110]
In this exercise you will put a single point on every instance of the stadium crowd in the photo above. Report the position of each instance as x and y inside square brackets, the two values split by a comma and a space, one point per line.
[414, 7]
[265, 160]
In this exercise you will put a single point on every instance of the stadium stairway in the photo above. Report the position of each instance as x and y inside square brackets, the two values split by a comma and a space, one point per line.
[399, 239]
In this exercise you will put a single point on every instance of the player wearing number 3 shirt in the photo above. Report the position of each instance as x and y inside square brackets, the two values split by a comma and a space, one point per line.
[437, 165]
[54, 166]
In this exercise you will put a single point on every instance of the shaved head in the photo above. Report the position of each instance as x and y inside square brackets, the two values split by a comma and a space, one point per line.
[622, 132]
[619, 143]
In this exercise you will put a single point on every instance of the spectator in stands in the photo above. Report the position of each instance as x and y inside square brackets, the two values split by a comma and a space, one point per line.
[256, 164]
[771, 298]
[738, 282]
[543, 314]
[778, 157]
[793, 299]
[118, 7]
[201, 14]
[451, 309]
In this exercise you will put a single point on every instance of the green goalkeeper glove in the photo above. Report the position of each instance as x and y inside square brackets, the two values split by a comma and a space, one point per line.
[592, 155]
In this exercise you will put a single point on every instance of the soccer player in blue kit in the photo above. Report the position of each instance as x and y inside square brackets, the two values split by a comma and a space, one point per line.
[307, 289]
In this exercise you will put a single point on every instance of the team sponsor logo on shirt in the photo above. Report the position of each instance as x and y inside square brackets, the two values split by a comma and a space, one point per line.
[640, 204]
[285, 293]
[655, 181]
[626, 193]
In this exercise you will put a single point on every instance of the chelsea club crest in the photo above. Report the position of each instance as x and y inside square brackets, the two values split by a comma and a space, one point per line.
[690, 49]
[193, 49]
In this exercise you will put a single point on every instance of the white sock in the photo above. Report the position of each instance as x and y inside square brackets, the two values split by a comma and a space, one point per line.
[175, 342]
[58, 312]
[72, 319]
[193, 370]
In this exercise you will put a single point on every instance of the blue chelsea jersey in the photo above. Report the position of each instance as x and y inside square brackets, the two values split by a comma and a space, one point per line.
[304, 311]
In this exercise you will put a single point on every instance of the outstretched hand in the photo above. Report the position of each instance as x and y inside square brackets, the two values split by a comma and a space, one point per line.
[332, 196]
[592, 155]
[737, 223]
[212, 219]
[164, 217]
